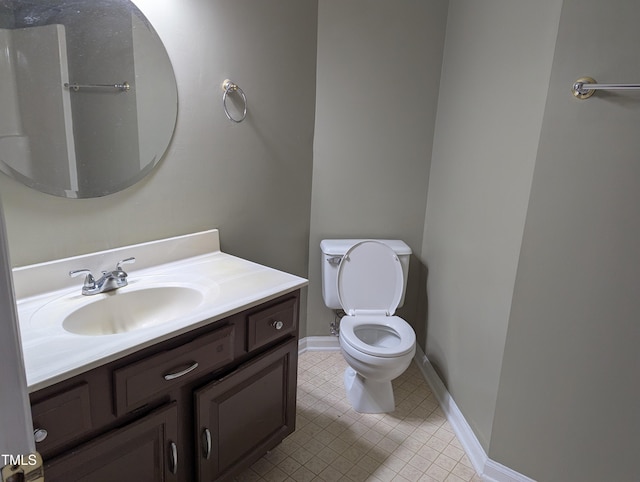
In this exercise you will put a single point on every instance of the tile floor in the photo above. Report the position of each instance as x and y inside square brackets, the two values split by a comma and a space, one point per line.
[334, 443]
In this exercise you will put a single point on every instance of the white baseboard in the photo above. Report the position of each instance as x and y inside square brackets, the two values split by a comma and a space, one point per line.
[318, 343]
[489, 470]
[463, 431]
[496, 472]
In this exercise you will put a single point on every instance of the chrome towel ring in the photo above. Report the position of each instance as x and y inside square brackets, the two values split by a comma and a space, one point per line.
[229, 87]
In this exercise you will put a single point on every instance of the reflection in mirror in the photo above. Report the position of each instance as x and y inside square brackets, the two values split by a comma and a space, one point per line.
[88, 95]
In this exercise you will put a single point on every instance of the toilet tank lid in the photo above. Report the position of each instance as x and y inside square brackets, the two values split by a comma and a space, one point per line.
[338, 247]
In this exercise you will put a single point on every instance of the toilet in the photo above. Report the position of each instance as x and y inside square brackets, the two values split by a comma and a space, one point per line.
[367, 279]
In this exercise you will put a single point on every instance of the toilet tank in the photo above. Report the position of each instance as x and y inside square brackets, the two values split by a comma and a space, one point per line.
[332, 252]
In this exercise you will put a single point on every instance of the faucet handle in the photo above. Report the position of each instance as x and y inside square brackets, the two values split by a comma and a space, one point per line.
[89, 280]
[125, 261]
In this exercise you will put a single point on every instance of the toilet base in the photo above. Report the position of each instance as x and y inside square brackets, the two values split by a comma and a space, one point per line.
[368, 396]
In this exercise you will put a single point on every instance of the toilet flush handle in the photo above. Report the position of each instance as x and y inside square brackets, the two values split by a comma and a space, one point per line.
[334, 260]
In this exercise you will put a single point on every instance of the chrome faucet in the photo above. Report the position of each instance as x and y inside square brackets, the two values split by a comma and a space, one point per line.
[110, 280]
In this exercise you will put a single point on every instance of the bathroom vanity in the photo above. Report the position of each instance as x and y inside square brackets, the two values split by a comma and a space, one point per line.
[199, 395]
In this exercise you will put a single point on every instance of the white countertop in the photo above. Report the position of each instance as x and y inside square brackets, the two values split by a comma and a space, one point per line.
[231, 284]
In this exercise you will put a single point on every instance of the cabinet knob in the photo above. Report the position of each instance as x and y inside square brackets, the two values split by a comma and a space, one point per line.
[40, 434]
[277, 324]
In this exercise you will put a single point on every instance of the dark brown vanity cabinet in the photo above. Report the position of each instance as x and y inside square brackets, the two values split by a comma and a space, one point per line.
[144, 450]
[201, 406]
[243, 415]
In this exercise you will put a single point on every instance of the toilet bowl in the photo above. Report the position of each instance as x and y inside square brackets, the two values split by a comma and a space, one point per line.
[377, 346]
[377, 350]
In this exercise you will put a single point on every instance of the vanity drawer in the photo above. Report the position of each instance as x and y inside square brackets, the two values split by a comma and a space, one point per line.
[272, 323]
[144, 381]
[61, 418]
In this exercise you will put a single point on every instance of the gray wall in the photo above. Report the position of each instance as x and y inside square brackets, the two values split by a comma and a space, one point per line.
[532, 234]
[486, 138]
[251, 180]
[377, 89]
[568, 403]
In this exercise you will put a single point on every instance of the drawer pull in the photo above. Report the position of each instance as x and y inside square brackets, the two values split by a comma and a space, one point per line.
[173, 376]
[277, 324]
[173, 462]
[206, 440]
[40, 434]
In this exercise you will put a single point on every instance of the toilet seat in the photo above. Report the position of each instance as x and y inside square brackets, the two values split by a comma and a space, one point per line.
[349, 325]
[370, 279]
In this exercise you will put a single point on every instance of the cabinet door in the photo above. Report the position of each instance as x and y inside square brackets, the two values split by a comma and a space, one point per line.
[62, 418]
[246, 413]
[143, 451]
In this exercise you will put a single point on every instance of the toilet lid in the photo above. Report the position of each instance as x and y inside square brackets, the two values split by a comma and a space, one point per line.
[370, 279]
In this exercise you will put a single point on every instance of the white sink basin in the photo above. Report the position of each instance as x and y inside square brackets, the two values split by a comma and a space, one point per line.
[119, 311]
[126, 311]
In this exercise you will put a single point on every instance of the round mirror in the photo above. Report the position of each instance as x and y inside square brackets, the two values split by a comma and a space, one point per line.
[88, 95]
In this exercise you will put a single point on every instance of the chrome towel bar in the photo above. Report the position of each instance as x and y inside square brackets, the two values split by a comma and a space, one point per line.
[585, 87]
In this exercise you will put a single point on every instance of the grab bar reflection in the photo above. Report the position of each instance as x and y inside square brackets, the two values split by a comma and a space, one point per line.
[123, 87]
